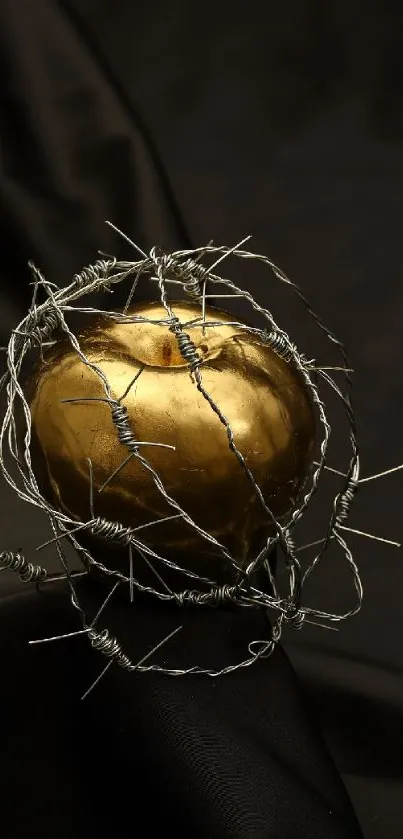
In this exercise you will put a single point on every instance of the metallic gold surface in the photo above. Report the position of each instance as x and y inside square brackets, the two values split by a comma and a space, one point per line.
[262, 397]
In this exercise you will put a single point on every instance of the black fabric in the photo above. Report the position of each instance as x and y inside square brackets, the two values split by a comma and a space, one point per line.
[280, 120]
[230, 757]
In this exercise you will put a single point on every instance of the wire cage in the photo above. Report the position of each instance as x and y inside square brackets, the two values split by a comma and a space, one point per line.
[190, 275]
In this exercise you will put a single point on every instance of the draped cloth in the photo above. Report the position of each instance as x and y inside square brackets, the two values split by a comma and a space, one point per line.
[181, 124]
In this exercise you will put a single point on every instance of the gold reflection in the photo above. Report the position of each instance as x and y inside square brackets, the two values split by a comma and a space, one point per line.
[262, 397]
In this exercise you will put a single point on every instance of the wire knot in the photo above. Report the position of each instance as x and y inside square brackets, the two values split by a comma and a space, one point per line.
[113, 531]
[109, 646]
[217, 596]
[186, 346]
[99, 273]
[294, 617]
[40, 325]
[121, 422]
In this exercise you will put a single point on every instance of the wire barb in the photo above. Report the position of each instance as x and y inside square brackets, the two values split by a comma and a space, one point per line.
[27, 571]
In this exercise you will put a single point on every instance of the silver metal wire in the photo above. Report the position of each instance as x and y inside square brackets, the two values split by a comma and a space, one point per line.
[184, 272]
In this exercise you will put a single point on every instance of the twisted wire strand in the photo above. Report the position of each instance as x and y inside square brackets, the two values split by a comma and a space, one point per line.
[110, 647]
[303, 368]
[190, 354]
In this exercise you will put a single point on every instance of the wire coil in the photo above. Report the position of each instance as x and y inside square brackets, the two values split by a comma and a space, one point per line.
[27, 571]
[186, 346]
[109, 646]
[281, 346]
[217, 596]
[98, 273]
[111, 531]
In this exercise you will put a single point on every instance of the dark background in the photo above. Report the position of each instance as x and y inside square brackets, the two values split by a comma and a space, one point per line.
[184, 122]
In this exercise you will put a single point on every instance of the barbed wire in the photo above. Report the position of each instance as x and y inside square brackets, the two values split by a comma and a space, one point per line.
[183, 270]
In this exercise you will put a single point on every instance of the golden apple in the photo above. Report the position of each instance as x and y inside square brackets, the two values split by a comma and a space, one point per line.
[263, 398]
